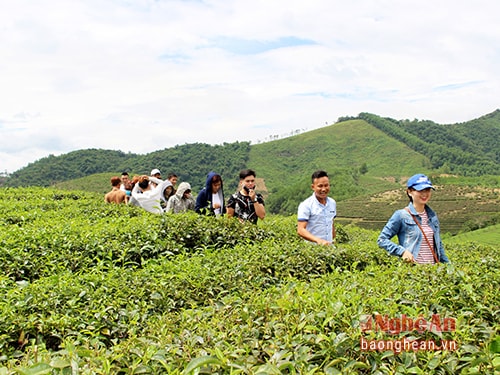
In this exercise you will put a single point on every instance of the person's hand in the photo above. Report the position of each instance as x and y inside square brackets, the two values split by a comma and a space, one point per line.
[407, 256]
[252, 194]
[323, 242]
[216, 205]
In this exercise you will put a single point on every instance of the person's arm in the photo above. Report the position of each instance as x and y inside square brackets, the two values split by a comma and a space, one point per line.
[443, 258]
[440, 252]
[191, 204]
[388, 232]
[305, 234]
[122, 196]
[408, 256]
[260, 210]
[170, 204]
[201, 201]
[258, 204]
[156, 180]
[231, 204]
[334, 231]
[135, 191]
[303, 215]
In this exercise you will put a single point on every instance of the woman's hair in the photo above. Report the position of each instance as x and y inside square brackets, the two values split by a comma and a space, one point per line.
[168, 192]
[216, 178]
[408, 194]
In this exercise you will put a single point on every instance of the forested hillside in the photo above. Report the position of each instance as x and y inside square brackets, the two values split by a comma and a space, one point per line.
[468, 149]
[191, 162]
[76, 164]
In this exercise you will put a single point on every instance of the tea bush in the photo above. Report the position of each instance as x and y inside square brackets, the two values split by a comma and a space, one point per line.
[104, 289]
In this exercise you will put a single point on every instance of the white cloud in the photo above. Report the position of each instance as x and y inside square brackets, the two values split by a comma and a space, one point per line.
[142, 75]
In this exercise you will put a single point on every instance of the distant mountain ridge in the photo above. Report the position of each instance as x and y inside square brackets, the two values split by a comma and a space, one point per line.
[470, 148]
[368, 143]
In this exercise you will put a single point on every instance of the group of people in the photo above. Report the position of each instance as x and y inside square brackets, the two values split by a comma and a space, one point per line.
[416, 226]
[151, 192]
[158, 196]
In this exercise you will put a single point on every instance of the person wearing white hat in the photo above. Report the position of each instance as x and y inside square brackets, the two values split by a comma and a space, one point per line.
[155, 173]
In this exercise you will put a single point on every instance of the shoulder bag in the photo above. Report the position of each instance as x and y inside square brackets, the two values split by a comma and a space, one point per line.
[426, 239]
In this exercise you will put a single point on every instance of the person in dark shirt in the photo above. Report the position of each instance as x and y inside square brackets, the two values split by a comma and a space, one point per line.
[210, 199]
[246, 204]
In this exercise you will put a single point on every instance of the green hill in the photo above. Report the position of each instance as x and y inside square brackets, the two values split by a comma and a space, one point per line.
[377, 146]
[366, 157]
[345, 145]
[488, 236]
[470, 148]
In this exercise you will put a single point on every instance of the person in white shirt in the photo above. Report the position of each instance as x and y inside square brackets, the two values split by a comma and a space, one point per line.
[148, 197]
[155, 173]
[316, 214]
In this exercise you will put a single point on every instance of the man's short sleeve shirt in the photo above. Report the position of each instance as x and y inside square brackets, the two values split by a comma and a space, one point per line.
[319, 217]
[243, 206]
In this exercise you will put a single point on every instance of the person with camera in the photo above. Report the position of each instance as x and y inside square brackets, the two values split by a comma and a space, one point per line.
[246, 204]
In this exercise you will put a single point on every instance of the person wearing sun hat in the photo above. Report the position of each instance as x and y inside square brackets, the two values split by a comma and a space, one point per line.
[155, 173]
[416, 227]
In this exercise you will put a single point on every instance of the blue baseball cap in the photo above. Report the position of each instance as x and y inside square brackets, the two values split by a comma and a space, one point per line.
[419, 182]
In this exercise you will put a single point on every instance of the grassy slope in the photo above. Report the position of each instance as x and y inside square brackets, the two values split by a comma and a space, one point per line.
[97, 183]
[487, 236]
[348, 144]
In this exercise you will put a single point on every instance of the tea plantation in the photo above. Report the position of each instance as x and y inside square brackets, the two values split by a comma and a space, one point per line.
[90, 288]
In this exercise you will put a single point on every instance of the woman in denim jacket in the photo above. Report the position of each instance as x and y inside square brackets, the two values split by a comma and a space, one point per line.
[415, 246]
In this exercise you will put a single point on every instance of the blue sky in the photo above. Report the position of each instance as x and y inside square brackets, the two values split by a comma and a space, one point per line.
[144, 75]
